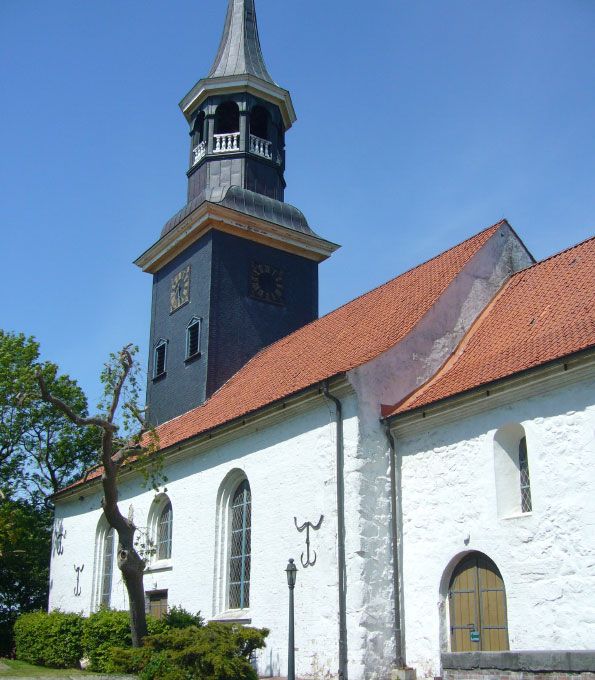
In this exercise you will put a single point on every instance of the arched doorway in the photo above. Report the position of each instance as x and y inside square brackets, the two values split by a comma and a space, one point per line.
[477, 603]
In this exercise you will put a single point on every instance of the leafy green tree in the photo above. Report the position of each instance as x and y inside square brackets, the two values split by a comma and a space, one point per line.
[25, 540]
[41, 450]
[18, 356]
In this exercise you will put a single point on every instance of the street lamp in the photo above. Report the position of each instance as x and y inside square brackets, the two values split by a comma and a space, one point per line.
[291, 572]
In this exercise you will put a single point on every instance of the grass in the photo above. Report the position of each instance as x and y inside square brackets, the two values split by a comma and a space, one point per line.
[20, 669]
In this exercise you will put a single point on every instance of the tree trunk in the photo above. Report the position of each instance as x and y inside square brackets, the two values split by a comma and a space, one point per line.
[132, 568]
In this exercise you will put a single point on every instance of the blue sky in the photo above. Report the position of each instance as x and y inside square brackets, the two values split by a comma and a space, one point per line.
[419, 124]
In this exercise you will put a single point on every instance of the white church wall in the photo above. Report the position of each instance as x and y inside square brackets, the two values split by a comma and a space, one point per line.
[449, 507]
[291, 470]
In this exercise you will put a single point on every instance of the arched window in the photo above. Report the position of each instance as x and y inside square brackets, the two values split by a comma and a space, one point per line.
[227, 118]
[259, 122]
[239, 552]
[160, 525]
[107, 567]
[511, 468]
[164, 529]
[526, 505]
[197, 131]
[193, 337]
[103, 573]
[159, 358]
[477, 606]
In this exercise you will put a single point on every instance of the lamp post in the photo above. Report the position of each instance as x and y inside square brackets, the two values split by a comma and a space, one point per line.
[291, 572]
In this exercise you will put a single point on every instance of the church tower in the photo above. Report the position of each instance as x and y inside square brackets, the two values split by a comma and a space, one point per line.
[237, 268]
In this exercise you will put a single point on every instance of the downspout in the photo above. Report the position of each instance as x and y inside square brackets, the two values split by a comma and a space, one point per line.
[340, 535]
[399, 660]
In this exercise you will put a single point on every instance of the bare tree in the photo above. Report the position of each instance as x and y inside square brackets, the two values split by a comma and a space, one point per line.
[136, 445]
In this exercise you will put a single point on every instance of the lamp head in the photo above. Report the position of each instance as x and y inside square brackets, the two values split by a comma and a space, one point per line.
[291, 572]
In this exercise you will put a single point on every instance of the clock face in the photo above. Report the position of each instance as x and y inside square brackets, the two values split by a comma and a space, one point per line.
[266, 284]
[179, 292]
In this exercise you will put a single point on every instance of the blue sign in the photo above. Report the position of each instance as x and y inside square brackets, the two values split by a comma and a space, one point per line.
[474, 636]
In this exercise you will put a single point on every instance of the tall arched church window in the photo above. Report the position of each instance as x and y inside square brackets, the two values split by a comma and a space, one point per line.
[239, 552]
[160, 528]
[107, 567]
[477, 606]
[526, 505]
[164, 533]
[511, 469]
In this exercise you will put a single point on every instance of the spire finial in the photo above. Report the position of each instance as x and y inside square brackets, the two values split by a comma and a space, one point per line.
[239, 51]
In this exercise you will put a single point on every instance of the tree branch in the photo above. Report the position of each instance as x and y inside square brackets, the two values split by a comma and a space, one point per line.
[68, 412]
[126, 362]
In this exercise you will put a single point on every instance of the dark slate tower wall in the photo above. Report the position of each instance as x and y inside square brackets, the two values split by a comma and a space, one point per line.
[240, 326]
[182, 387]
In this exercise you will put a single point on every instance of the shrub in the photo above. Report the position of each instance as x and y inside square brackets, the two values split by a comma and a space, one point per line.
[52, 639]
[216, 651]
[178, 617]
[106, 629]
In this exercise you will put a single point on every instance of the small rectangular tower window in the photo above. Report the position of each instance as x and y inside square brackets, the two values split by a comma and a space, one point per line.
[159, 358]
[193, 337]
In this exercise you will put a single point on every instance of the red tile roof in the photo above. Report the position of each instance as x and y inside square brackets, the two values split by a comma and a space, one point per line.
[347, 337]
[542, 313]
[343, 339]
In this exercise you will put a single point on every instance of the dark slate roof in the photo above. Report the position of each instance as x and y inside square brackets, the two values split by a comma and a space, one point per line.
[239, 51]
[249, 203]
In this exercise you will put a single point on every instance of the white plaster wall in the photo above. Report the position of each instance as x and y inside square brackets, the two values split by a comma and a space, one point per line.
[291, 470]
[546, 558]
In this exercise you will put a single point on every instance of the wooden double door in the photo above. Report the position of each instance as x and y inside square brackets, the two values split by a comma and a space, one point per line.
[477, 603]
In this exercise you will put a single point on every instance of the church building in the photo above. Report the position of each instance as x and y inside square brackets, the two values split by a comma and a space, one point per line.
[424, 452]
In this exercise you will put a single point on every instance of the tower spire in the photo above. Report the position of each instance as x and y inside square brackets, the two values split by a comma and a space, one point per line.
[239, 52]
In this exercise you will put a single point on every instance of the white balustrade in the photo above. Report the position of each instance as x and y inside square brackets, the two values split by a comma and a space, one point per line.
[199, 152]
[261, 147]
[230, 141]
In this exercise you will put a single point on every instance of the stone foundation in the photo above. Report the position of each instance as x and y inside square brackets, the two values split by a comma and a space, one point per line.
[524, 665]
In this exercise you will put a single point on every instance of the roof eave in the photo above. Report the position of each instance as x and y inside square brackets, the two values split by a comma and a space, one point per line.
[194, 444]
[489, 395]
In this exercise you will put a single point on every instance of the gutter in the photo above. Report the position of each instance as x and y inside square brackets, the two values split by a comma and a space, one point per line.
[340, 533]
[398, 630]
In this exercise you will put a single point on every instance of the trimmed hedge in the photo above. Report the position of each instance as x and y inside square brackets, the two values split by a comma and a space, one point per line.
[106, 629]
[60, 640]
[178, 647]
[52, 640]
[216, 651]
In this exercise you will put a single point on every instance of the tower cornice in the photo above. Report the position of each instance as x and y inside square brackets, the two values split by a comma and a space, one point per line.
[207, 87]
[209, 216]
